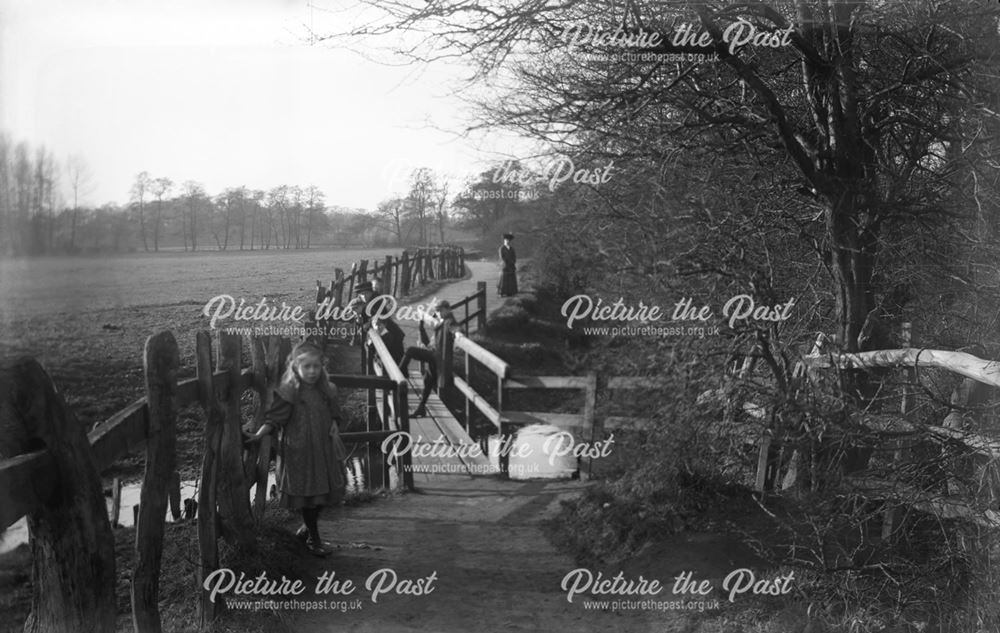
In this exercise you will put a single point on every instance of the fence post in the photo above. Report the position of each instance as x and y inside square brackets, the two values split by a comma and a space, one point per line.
[116, 501]
[481, 306]
[589, 406]
[72, 546]
[161, 362]
[387, 276]
[338, 283]
[403, 412]
[506, 438]
[262, 379]
[353, 277]
[404, 275]
[446, 377]
[208, 535]
[175, 495]
[234, 501]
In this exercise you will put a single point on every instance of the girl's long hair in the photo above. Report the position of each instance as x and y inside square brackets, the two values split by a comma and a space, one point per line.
[288, 388]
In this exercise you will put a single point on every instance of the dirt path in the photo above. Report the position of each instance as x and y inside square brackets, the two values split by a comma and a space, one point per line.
[482, 540]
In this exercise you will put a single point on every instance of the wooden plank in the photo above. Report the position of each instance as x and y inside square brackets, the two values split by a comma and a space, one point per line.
[187, 392]
[116, 501]
[354, 381]
[492, 362]
[174, 495]
[548, 382]
[161, 362]
[208, 545]
[26, 483]
[395, 375]
[624, 423]
[634, 382]
[121, 434]
[572, 422]
[484, 407]
[481, 303]
[233, 500]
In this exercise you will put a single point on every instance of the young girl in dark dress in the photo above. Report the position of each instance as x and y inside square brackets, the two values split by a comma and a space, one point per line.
[311, 452]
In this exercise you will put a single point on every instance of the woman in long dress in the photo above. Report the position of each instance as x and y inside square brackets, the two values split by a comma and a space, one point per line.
[507, 287]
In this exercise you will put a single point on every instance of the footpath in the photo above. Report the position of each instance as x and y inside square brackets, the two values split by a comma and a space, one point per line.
[460, 554]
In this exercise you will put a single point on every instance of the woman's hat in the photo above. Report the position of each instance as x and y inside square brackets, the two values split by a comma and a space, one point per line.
[362, 287]
[508, 236]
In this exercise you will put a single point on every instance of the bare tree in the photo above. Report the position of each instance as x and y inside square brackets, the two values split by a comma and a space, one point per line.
[159, 188]
[140, 188]
[391, 214]
[79, 182]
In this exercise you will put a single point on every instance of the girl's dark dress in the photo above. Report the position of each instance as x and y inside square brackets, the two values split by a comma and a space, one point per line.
[311, 452]
[507, 286]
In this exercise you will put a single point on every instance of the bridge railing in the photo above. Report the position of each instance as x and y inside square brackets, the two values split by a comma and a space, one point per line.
[479, 299]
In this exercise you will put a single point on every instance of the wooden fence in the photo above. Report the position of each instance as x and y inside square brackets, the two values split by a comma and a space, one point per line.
[49, 472]
[396, 276]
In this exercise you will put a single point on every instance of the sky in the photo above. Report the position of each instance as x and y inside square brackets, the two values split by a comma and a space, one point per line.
[229, 93]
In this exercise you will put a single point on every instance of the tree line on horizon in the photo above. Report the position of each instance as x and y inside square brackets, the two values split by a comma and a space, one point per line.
[41, 212]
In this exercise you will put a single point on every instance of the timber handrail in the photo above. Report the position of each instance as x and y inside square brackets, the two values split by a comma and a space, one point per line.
[492, 362]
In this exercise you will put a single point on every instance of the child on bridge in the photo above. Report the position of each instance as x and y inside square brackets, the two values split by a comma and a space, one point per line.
[310, 450]
[442, 319]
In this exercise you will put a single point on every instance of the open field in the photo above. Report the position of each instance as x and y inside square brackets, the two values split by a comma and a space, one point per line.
[86, 319]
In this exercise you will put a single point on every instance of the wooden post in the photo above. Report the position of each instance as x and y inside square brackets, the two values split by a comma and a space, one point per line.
[405, 465]
[175, 496]
[506, 437]
[116, 501]
[362, 271]
[353, 277]
[481, 306]
[234, 502]
[446, 376]
[404, 275]
[387, 276]
[208, 544]
[72, 545]
[377, 478]
[263, 380]
[162, 360]
[762, 461]
[372, 419]
[589, 424]
[337, 288]
[468, 402]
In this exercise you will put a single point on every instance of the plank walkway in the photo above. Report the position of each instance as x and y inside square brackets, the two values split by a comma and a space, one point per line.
[440, 425]
[481, 538]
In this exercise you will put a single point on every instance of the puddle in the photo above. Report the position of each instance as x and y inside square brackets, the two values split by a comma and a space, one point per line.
[17, 533]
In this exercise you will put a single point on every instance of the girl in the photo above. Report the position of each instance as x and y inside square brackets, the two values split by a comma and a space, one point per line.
[311, 452]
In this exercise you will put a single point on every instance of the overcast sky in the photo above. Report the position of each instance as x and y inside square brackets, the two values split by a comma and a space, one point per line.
[226, 93]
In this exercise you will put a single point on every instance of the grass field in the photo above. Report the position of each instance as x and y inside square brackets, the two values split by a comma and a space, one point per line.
[87, 319]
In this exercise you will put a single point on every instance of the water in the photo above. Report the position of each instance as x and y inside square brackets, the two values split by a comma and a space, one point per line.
[17, 534]
[536, 463]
